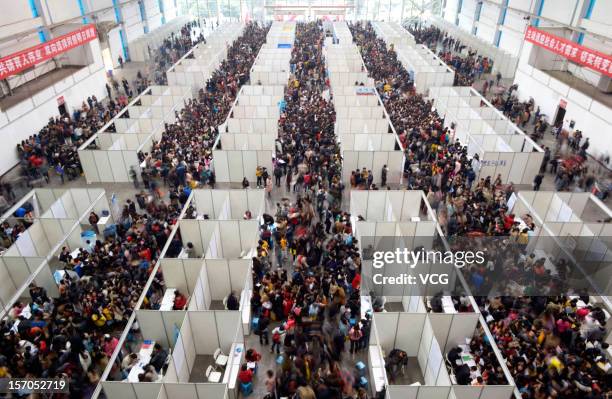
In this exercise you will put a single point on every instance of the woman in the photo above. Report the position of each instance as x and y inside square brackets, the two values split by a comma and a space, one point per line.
[93, 221]
[269, 187]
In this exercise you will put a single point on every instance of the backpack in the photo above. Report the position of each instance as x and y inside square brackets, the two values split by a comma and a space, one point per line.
[276, 337]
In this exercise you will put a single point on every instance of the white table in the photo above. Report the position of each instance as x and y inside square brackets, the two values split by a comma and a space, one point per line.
[103, 222]
[233, 365]
[467, 358]
[144, 357]
[74, 254]
[167, 302]
[447, 304]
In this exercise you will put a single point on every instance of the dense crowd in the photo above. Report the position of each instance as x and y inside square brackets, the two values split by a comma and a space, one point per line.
[307, 271]
[53, 150]
[565, 341]
[183, 155]
[74, 334]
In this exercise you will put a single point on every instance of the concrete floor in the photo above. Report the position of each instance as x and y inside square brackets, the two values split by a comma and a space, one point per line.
[198, 372]
[412, 373]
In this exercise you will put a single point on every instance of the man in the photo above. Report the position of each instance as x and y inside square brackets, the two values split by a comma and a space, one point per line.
[537, 181]
[232, 302]
[383, 176]
[158, 357]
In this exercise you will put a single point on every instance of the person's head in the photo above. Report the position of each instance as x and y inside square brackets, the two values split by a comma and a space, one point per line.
[270, 373]
[244, 367]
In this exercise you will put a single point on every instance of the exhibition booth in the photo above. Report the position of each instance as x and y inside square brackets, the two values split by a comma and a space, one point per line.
[272, 65]
[393, 34]
[197, 65]
[571, 226]
[389, 219]
[503, 61]
[425, 68]
[109, 157]
[53, 218]
[189, 337]
[256, 110]
[426, 339]
[503, 148]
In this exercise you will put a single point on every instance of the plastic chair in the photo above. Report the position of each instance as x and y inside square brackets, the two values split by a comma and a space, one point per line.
[246, 389]
[212, 376]
[361, 367]
[220, 358]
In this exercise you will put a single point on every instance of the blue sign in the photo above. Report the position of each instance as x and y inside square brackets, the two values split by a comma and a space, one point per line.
[283, 45]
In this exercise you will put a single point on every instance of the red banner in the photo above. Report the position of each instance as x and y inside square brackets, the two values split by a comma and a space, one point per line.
[24, 59]
[574, 52]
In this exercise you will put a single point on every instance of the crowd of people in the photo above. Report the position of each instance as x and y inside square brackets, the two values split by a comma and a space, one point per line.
[53, 150]
[307, 269]
[74, 334]
[307, 153]
[565, 341]
[467, 68]
[552, 346]
[183, 156]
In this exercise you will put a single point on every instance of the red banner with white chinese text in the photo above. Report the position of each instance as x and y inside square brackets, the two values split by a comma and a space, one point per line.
[24, 59]
[574, 52]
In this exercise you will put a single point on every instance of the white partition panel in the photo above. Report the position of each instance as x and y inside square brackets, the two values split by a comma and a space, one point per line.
[204, 328]
[409, 329]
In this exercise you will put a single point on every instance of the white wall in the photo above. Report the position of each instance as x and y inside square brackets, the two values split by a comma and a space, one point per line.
[134, 27]
[153, 14]
[59, 10]
[28, 117]
[559, 10]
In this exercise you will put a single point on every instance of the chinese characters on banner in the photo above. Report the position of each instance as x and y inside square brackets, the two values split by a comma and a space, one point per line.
[24, 59]
[574, 52]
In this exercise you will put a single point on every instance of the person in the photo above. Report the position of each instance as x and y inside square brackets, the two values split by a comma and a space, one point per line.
[454, 354]
[537, 181]
[463, 375]
[129, 361]
[270, 383]
[232, 301]
[383, 176]
[277, 335]
[355, 335]
[245, 183]
[245, 375]
[158, 357]
[93, 221]
[120, 60]
[396, 360]
[180, 301]
[190, 250]
[262, 330]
